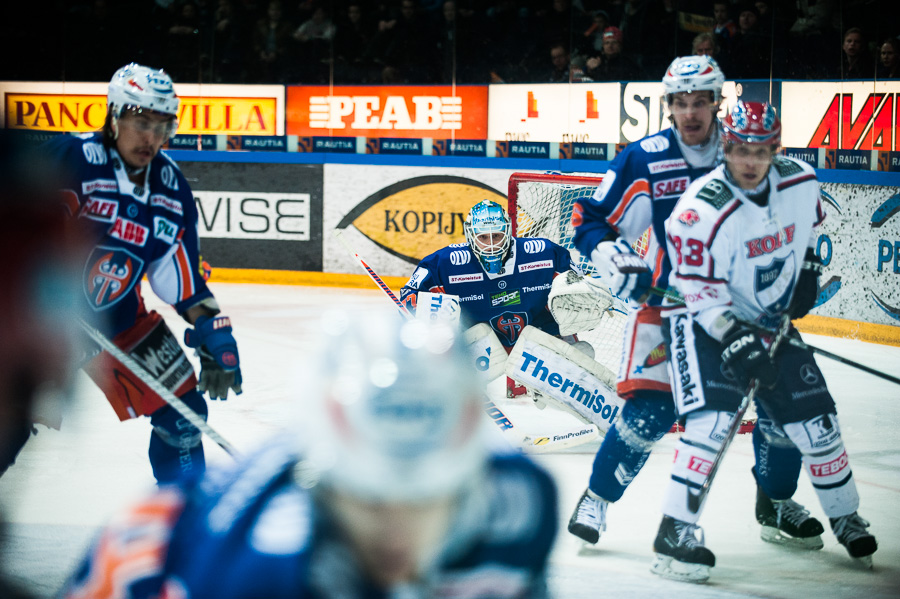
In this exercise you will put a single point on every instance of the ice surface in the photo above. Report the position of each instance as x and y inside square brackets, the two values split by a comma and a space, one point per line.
[67, 483]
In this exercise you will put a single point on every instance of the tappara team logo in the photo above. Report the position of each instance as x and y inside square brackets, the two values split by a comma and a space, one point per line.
[510, 325]
[109, 275]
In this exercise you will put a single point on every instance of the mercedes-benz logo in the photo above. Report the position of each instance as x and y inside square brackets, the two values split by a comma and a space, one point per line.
[808, 374]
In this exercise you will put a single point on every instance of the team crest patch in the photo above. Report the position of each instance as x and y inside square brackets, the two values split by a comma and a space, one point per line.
[774, 284]
[509, 325]
[110, 273]
[689, 217]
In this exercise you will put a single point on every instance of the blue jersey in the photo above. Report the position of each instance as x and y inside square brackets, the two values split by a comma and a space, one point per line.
[638, 191]
[508, 301]
[253, 532]
[136, 230]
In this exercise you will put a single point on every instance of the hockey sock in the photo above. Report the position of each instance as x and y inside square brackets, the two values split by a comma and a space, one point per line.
[175, 448]
[627, 444]
[778, 460]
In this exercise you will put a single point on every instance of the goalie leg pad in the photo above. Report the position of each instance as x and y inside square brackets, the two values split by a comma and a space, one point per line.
[567, 378]
[150, 342]
[704, 432]
[175, 447]
[487, 352]
[627, 445]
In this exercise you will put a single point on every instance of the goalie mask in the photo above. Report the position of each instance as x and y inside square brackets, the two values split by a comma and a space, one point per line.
[398, 408]
[138, 88]
[488, 234]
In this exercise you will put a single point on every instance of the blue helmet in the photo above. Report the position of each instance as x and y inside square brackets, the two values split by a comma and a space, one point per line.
[486, 218]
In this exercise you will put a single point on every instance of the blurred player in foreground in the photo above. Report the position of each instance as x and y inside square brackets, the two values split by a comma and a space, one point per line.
[639, 191]
[39, 273]
[138, 207]
[396, 492]
[742, 242]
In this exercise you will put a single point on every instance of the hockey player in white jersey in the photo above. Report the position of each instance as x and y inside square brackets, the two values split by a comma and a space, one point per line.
[639, 191]
[741, 241]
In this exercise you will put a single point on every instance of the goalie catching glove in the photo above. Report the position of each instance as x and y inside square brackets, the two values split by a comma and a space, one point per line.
[576, 303]
[622, 269]
[220, 366]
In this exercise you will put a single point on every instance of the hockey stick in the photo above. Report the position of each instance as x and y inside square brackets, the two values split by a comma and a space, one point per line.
[157, 387]
[676, 297]
[373, 275]
[695, 500]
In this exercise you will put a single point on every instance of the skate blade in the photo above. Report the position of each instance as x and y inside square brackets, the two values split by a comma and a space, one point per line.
[589, 550]
[864, 562]
[588, 542]
[666, 567]
[770, 534]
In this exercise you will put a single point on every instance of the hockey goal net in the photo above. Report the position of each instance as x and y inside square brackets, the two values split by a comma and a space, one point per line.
[540, 205]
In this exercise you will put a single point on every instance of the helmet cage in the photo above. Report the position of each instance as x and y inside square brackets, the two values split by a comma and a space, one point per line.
[488, 217]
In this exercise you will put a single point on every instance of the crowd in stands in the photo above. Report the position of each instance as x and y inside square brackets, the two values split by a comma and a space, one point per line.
[453, 41]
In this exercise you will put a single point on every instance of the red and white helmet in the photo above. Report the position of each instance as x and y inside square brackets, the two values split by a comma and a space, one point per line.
[141, 87]
[693, 73]
[395, 409]
[752, 123]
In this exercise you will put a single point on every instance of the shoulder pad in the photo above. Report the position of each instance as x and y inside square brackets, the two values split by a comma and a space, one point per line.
[657, 143]
[716, 193]
[786, 167]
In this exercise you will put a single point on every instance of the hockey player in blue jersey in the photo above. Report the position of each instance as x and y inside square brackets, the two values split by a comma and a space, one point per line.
[396, 492]
[134, 202]
[500, 280]
[639, 191]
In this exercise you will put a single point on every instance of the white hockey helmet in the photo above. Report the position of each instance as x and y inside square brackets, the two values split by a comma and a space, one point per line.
[397, 413]
[143, 88]
[488, 217]
[693, 73]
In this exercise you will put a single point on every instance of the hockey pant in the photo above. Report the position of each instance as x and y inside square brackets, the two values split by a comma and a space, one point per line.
[175, 448]
[798, 414]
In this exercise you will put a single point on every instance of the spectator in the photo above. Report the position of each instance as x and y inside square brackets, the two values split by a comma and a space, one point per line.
[749, 56]
[514, 53]
[593, 35]
[650, 36]
[352, 39]
[408, 44]
[704, 44]
[856, 61]
[562, 70]
[271, 41]
[461, 49]
[612, 64]
[725, 29]
[313, 47]
[183, 48]
[889, 66]
[230, 40]
[809, 40]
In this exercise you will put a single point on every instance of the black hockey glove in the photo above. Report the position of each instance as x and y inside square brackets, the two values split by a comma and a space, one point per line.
[807, 286]
[220, 366]
[744, 353]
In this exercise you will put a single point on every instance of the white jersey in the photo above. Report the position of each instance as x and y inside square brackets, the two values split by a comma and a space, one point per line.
[729, 253]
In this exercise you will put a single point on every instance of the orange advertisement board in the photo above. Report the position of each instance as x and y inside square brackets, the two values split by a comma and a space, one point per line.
[436, 112]
[227, 110]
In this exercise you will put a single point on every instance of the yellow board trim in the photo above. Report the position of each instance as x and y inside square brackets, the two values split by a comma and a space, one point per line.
[816, 325]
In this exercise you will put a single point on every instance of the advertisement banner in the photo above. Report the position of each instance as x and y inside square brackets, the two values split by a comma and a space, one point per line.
[859, 244]
[394, 216]
[841, 115]
[204, 109]
[409, 111]
[248, 212]
[552, 112]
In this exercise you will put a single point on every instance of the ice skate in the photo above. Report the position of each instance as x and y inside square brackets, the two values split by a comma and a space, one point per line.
[588, 521]
[787, 523]
[680, 554]
[852, 532]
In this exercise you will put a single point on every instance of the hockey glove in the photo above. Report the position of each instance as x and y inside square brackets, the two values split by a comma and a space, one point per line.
[744, 353]
[220, 366]
[626, 273]
[807, 289]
